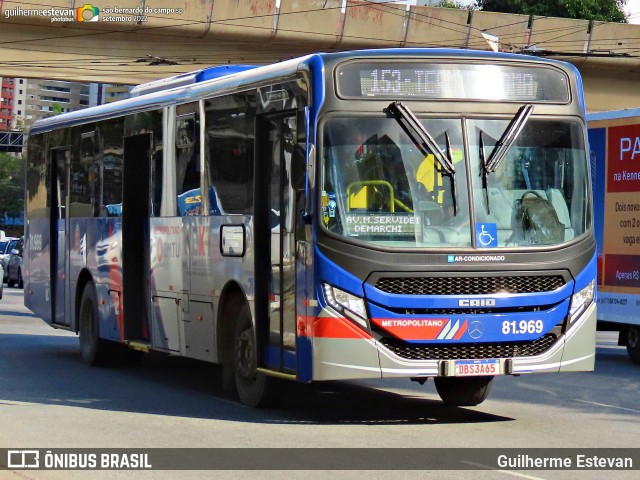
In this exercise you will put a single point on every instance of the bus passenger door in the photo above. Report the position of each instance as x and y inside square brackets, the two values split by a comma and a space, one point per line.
[60, 168]
[275, 259]
[135, 235]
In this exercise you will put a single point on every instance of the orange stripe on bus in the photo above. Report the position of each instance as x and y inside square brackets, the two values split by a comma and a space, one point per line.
[329, 327]
[461, 331]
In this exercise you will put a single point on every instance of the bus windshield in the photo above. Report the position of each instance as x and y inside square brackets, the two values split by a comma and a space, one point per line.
[545, 168]
[379, 187]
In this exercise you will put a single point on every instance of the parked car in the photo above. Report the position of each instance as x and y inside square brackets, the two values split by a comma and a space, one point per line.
[6, 245]
[1, 284]
[14, 265]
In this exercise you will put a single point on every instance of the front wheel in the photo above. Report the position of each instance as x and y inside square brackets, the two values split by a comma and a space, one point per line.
[463, 392]
[254, 388]
[633, 343]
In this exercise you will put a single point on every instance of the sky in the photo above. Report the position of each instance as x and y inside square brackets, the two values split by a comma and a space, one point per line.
[633, 10]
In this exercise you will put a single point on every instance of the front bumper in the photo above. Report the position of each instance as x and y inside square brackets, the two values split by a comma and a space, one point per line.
[355, 354]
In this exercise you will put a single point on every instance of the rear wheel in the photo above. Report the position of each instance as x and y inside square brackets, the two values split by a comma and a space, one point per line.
[463, 392]
[93, 349]
[633, 343]
[254, 388]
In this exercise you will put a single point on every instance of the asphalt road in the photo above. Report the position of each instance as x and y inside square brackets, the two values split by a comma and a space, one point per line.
[49, 399]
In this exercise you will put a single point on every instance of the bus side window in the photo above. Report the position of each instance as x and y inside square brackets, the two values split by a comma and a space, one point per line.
[190, 202]
[229, 126]
[188, 161]
[83, 189]
[111, 167]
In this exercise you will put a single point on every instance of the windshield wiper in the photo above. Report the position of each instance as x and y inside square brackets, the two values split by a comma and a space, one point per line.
[419, 135]
[485, 172]
[425, 142]
[508, 137]
[452, 174]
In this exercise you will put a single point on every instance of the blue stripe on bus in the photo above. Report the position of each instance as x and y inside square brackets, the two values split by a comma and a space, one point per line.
[272, 358]
[305, 359]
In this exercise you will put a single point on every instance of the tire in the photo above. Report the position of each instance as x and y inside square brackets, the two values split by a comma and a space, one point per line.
[10, 283]
[20, 281]
[93, 349]
[463, 392]
[254, 389]
[633, 343]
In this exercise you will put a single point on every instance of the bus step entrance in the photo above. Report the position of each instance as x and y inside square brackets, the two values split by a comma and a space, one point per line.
[139, 345]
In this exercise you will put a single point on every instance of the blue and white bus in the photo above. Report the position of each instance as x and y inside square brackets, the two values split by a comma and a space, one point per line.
[407, 213]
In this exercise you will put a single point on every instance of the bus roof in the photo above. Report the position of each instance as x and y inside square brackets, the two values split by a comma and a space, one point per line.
[165, 97]
[613, 114]
[189, 78]
[182, 87]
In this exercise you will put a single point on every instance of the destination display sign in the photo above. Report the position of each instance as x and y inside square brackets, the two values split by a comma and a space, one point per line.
[385, 224]
[451, 81]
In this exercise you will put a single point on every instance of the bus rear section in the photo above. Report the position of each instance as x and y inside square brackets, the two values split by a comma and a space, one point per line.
[614, 141]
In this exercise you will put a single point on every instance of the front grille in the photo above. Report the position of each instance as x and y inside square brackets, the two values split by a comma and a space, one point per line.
[416, 351]
[468, 311]
[486, 285]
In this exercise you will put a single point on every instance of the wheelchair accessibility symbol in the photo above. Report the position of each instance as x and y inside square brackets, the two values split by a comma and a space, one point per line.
[486, 235]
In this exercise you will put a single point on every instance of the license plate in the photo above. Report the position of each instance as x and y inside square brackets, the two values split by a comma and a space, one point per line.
[472, 368]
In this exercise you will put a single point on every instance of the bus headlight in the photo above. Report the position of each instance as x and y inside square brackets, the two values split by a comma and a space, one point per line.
[350, 305]
[581, 300]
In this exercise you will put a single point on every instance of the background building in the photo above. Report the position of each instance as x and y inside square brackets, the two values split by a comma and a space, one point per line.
[23, 101]
[112, 92]
[7, 102]
[44, 98]
[101, 93]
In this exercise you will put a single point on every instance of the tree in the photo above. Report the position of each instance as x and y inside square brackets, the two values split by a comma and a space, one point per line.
[19, 123]
[11, 185]
[602, 10]
[454, 4]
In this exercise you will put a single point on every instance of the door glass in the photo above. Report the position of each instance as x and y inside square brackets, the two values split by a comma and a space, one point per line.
[281, 143]
[188, 161]
[229, 156]
[61, 159]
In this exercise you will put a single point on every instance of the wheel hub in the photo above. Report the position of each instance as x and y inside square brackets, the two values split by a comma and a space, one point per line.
[245, 360]
[633, 337]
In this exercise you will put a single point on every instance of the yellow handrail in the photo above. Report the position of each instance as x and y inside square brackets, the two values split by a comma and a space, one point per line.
[372, 183]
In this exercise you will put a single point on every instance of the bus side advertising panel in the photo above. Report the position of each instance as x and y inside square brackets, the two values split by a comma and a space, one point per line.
[615, 147]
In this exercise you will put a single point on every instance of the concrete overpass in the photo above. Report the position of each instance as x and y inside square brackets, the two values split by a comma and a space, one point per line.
[143, 40]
